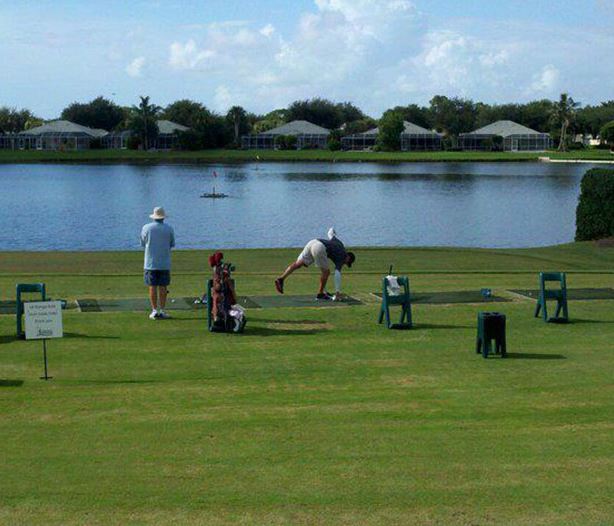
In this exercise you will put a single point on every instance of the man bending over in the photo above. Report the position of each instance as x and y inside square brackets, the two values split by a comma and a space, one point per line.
[319, 251]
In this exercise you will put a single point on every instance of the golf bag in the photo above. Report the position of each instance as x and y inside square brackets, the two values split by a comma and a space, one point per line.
[223, 313]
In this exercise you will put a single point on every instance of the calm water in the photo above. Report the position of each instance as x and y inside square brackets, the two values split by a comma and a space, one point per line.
[82, 207]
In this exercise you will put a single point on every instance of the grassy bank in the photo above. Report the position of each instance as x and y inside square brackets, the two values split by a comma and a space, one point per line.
[313, 416]
[240, 156]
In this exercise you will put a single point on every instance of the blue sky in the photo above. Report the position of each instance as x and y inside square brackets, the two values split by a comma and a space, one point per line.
[264, 54]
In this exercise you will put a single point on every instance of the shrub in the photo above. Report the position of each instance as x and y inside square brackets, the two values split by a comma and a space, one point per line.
[334, 145]
[133, 142]
[286, 142]
[576, 146]
[488, 144]
[595, 212]
[189, 140]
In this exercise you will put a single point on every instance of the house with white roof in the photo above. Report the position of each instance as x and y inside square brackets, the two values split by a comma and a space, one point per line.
[508, 136]
[308, 135]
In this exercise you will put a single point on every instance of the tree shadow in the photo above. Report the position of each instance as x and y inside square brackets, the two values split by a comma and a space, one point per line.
[270, 331]
[293, 322]
[11, 383]
[71, 335]
[419, 326]
[578, 321]
[534, 356]
[120, 382]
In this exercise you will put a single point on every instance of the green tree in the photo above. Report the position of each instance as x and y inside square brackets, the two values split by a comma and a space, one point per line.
[417, 114]
[359, 126]
[143, 122]
[592, 118]
[563, 115]
[324, 112]
[98, 113]
[536, 115]
[209, 129]
[453, 116]
[350, 112]
[188, 113]
[607, 134]
[13, 120]
[390, 129]
[271, 120]
[237, 118]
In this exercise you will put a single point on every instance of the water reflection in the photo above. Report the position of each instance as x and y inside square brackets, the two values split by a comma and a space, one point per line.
[285, 204]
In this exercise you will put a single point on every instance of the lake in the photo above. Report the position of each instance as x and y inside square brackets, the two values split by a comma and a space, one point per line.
[101, 207]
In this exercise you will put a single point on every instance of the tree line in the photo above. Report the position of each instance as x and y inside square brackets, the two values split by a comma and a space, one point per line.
[563, 119]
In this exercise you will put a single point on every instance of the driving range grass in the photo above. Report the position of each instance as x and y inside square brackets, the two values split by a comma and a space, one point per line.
[242, 156]
[316, 415]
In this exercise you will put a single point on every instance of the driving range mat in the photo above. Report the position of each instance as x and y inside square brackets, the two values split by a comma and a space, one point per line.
[188, 303]
[133, 304]
[456, 296]
[8, 307]
[573, 294]
[304, 300]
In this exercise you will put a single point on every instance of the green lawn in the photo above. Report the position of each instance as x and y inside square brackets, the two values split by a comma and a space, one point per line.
[313, 416]
[238, 156]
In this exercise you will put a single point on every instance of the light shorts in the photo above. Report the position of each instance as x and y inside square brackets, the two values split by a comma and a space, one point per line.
[314, 252]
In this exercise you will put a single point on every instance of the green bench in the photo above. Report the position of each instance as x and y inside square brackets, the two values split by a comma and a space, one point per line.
[557, 294]
[402, 299]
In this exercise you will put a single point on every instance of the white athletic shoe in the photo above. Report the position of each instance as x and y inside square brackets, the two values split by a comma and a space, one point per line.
[163, 315]
[153, 315]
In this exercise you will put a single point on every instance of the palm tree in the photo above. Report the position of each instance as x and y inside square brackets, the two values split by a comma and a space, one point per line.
[563, 114]
[146, 113]
[236, 115]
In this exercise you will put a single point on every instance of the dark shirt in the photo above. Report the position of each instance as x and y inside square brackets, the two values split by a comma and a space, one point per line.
[335, 251]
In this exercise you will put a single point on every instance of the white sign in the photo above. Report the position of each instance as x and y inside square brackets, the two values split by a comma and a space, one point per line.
[43, 319]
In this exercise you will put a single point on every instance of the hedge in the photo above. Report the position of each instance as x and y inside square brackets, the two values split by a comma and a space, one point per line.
[595, 212]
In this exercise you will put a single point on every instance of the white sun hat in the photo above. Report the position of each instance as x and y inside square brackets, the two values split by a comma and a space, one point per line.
[158, 213]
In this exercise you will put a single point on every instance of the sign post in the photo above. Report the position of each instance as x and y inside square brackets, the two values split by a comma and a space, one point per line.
[43, 321]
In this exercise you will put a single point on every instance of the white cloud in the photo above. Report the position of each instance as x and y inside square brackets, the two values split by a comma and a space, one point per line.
[267, 30]
[453, 63]
[376, 53]
[223, 98]
[188, 56]
[135, 68]
[546, 81]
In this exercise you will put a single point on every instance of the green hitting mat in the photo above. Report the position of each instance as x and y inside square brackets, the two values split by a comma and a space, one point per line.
[305, 300]
[573, 294]
[7, 307]
[132, 304]
[457, 296]
[188, 303]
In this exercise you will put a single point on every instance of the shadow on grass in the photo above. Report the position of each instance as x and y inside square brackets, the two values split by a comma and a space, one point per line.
[8, 338]
[577, 321]
[270, 331]
[11, 383]
[292, 322]
[534, 356]
[78, 335]
[419, 326]
[120, 382]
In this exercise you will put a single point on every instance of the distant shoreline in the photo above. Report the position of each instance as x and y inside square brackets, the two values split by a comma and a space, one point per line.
[251, 156]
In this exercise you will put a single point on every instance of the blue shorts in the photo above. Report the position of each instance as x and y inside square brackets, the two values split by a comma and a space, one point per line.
[157, 278]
